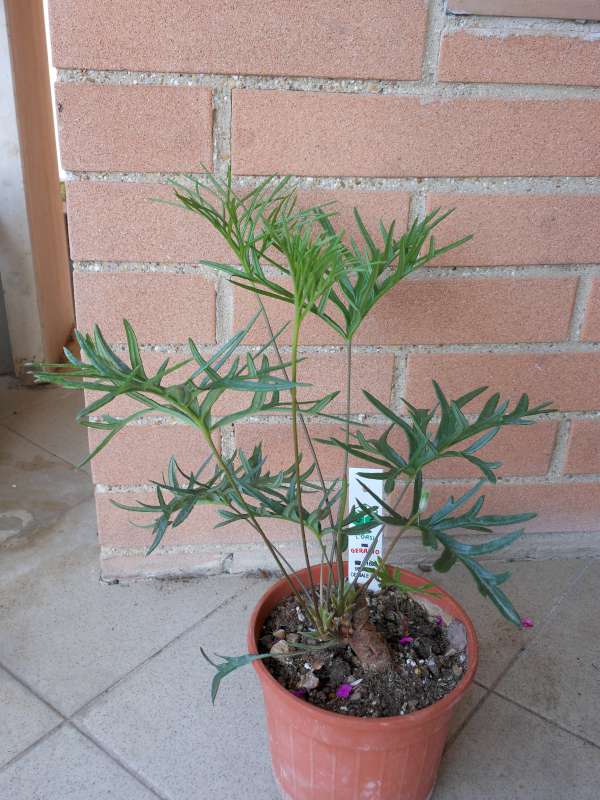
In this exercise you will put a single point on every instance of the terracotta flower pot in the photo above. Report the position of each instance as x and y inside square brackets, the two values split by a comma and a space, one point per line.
[322, 755]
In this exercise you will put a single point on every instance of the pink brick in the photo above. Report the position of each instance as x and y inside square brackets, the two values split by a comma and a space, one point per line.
[336, 40]
[307, 133]
[521, 450]
[134, 128]
[278, 447]
[466, 311]
[313, 331]
[110, 221]
[141, 453]
[373, 206]
[162, 307]
[476, 56]
[325, 371]
[570, 380]
[519, 229]
[117, 528]
[560, 507]
[122, 406]
[583, 454]
[453, 311]
[591, 324]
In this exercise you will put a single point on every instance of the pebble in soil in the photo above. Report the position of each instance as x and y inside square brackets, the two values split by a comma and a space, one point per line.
[423, 670]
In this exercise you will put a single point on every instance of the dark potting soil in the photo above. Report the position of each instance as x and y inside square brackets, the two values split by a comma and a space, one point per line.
[423, 670]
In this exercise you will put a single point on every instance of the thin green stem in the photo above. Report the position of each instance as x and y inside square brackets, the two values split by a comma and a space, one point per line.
[376, 539]
[344, 493]
[294, 394]
[313, 452]
[305, 430]
[197, 422]
[401, 495]
[254, 521]
[387, 554]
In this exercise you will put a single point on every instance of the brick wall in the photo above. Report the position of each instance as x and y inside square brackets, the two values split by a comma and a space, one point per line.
[392, 106]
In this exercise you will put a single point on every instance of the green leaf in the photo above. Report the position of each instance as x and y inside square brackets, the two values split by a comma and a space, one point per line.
[487, 467]
[446, 561]
[227, 666]
[134, 350]
[114, 427]
[94, 406]
[393, 577]
[159, 531]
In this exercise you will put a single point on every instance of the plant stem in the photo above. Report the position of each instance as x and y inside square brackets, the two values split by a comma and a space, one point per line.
[386, 555]
[307, 435]
[198, 423]
[313, 452]
[254, 521]
[401, 495]
[375, 540]
[294, 394]
[344, 494]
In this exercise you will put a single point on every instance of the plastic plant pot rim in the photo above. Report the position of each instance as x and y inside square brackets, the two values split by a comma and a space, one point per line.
[415, 718]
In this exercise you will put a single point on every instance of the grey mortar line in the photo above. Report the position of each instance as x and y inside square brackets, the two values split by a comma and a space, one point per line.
[582, 297]
[422, 90]
[455, 184]
[556, 469]
[502, 27]
[436, 20]
[429, 273]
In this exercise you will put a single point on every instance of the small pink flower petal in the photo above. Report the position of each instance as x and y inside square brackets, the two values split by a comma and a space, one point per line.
[344, 690]
[406, 640]
[298, 692]
[527, 622]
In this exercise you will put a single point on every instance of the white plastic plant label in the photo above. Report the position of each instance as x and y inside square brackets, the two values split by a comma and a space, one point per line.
[359, 545]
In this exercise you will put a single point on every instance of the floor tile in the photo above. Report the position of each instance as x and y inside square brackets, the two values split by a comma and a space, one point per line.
[466, 707]
[67, 766]
[70, 636]
[24, 717]
[50, 423]
[16, 398]
[533, 587]
[161, 723]
[559, 675]
[506, 753]
[36, 489]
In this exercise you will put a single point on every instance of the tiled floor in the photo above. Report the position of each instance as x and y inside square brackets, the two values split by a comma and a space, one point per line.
[104, 693]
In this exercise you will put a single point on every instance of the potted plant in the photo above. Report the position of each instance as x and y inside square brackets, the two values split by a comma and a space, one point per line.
[359, 685]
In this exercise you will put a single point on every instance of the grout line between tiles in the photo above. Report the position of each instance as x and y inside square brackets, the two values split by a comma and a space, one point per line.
[69, 718]
[552, 611]
[63, 719]
[16, 758]
[544, 718]
[33, 691]
[118, 760]
[541, 627]
[454, 736]
[46, 450]
[492, 688]
[164, 647]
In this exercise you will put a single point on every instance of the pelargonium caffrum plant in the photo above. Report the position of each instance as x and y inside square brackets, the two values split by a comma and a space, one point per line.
[299, 257]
